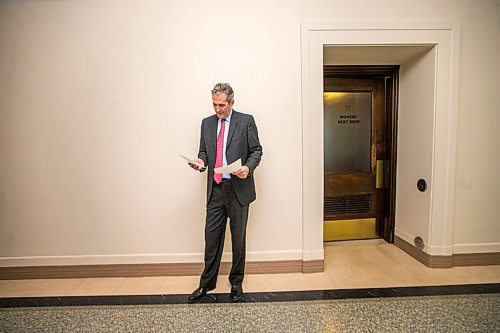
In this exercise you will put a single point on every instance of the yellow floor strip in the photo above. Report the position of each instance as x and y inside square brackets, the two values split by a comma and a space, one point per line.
[349, 229]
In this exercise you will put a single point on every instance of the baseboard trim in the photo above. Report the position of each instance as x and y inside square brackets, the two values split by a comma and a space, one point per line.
[462, 259]
[476, 259]
[143, 270]
[425, 258]
[313, 266]
[99, 271]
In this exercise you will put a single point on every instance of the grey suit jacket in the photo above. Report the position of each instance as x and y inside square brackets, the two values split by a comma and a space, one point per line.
[242, 142]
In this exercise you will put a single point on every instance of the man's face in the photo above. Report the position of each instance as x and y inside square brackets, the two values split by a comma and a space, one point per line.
[221, 106]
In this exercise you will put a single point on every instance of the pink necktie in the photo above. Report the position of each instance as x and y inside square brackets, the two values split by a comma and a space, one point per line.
[220, 147]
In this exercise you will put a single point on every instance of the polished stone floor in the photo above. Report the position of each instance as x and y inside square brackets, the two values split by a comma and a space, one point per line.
[456, 313]
[368, 286]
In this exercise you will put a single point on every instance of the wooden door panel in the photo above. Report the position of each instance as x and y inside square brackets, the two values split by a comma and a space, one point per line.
[349, 184]
[353, 194]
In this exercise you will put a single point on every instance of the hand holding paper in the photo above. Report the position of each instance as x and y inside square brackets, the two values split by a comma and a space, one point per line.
[242, 173]
[196, 164]
[233, 167]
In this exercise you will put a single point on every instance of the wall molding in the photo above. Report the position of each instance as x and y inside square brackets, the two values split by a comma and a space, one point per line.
[313, 266]
[141, 265]
[476, 259]
[429, 249]
[428, 260]
[148, 258]
[476, 248]
[448, 261]
[446, 35]
[159, 269]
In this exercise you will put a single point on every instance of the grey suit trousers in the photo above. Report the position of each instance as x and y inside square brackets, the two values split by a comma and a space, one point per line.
[222, 205]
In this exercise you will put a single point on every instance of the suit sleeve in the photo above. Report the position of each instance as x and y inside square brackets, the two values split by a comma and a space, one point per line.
[202, 153]
[254, 147]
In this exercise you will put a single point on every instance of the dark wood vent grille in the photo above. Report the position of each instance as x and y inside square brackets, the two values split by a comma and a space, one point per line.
[354, 204]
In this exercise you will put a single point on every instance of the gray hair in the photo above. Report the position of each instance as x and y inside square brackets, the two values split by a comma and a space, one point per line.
[224, 88]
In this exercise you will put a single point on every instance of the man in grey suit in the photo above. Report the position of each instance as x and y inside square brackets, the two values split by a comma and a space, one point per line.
[226, 136]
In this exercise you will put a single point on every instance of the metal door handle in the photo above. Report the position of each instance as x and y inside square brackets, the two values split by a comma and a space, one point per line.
[379, 174]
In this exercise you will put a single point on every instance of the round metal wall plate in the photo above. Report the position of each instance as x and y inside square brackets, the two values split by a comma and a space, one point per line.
[421, 185]
[419, 243]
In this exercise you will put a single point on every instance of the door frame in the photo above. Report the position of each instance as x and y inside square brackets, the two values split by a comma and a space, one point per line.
[391, 125]
[437, 225]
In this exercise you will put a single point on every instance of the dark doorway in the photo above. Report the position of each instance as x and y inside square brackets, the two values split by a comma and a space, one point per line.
[360, 127]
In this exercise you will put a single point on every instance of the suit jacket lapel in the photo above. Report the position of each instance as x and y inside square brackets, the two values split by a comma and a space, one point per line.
[232, 127]
[213, 132]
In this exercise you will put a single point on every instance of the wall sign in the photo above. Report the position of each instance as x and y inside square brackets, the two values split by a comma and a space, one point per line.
[348, 119]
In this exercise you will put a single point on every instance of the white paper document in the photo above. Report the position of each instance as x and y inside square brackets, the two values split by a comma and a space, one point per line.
[235, 166]
[191, 161]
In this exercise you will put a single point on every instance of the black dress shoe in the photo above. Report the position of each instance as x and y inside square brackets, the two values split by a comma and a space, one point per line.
[236, 292]
[198, 294]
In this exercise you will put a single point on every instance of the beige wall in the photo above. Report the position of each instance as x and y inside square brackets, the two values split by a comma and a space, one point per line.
[97, 98]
